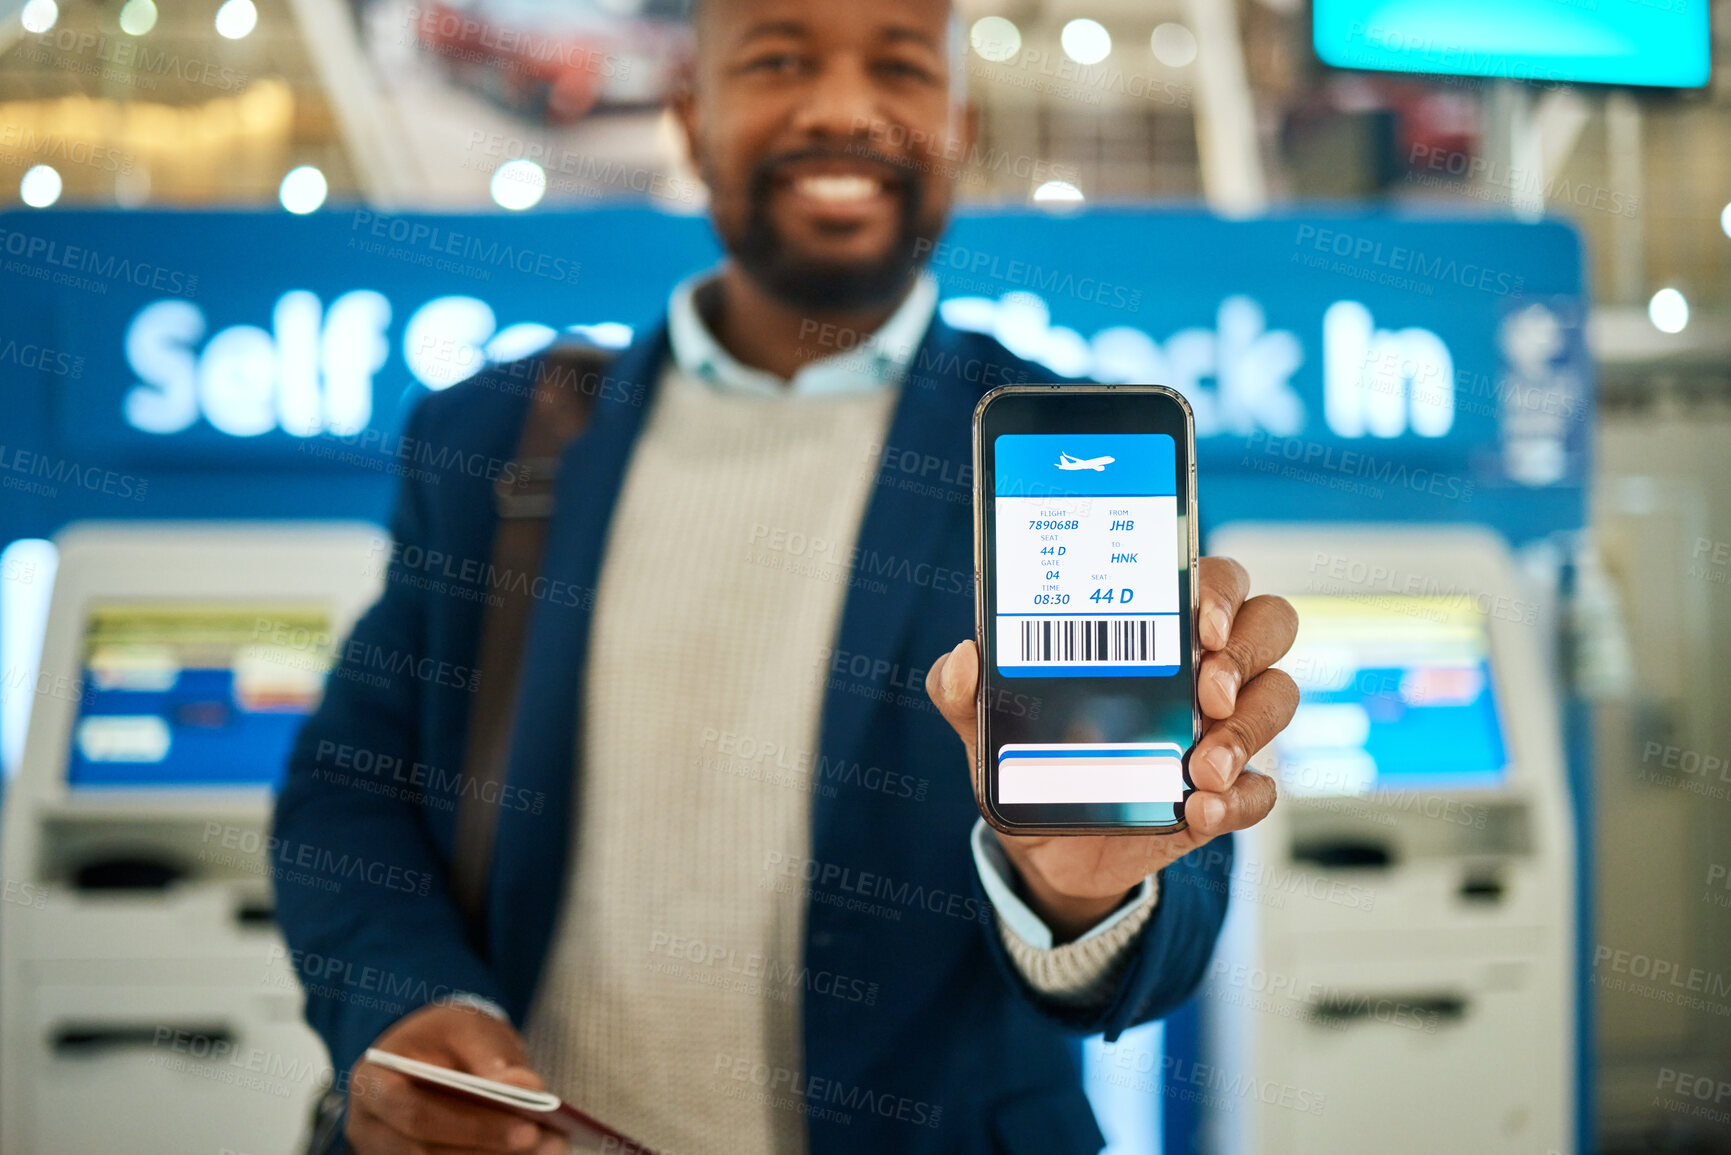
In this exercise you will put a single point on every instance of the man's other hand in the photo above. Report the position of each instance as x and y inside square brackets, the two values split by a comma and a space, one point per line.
[1073, 881]
[391, 1114]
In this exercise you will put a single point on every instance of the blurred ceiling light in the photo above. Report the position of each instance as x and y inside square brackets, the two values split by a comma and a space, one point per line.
[236, 18]
[303, 189]
[138, 17]
[39, 15]
[1058, 194]
[181, 144]
[40, 186]
[518, 184]
[1086, 41]
[1668, 311]
[132, 189]
[1725, 220]
[1174, 45]
[993, 38]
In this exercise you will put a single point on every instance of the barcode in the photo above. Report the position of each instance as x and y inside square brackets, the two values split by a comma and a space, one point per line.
[1088, 640]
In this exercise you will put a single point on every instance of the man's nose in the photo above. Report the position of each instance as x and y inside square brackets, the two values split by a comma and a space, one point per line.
[842, 102]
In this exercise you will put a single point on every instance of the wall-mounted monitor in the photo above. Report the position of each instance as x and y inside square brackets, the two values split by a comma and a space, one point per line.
[1659, 43]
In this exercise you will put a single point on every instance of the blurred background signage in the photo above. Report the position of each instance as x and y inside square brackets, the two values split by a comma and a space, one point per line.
[1437, 363]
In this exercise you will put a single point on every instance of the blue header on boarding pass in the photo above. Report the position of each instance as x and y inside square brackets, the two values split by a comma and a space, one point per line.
[1085, 464]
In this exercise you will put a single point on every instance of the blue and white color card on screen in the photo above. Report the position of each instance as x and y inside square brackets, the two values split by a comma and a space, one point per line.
[1086, 552]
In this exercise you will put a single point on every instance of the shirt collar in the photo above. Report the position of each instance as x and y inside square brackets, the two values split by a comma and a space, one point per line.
[875, 361]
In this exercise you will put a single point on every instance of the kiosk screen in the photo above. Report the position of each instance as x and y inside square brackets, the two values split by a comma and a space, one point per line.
[1396, 693]
[179, 695]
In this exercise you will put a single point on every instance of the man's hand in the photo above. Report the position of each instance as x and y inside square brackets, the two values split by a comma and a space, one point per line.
[390, 1114]
[1074, 881]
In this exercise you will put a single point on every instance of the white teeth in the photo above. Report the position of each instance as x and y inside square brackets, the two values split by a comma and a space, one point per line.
[837, 187]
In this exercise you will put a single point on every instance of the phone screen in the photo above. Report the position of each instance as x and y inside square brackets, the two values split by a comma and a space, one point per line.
[1087, 624]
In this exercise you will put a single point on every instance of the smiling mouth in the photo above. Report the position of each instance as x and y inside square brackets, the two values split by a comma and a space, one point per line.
[838, 188]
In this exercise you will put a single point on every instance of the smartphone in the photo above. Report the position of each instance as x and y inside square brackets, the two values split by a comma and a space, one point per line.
[1085, 599]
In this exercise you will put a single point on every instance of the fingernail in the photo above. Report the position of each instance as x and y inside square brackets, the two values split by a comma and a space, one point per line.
[1227, 681]
[1219, 624]
[1223, 762]
[1213, 811]
[522, 1136]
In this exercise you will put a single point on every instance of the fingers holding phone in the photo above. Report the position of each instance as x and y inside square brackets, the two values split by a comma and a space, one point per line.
[390, 1114]
[1244, 701]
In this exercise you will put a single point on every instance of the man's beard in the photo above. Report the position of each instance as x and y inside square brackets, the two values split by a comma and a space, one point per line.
[827, 286]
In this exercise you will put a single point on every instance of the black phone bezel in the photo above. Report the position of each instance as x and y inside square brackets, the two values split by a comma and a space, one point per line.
[1081, 408]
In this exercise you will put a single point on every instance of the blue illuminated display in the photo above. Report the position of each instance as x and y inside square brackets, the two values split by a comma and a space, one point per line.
[206, 739]
[1395, 693]
[193, 694]
[1384, 369]
[1661, 43]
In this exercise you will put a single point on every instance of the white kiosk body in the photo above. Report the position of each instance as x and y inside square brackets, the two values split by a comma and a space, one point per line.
[146, 1001]
[1397, 971]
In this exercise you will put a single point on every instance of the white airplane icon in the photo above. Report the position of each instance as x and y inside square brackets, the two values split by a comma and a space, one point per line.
[1097, 464]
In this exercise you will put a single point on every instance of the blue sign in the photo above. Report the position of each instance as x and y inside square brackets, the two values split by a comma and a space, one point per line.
[260, 364]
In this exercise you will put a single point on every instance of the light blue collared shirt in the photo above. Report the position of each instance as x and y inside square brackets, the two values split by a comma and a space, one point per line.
[860, 363]
[995, 873]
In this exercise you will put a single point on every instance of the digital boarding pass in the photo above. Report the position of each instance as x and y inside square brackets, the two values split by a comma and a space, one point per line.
[1086, 552]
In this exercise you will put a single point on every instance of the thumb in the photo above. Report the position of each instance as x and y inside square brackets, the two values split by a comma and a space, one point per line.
[952, 682]
[521, 1077]
[483, 1045]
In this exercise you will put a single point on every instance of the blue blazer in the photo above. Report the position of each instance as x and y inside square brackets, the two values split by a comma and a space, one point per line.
[953, 1054]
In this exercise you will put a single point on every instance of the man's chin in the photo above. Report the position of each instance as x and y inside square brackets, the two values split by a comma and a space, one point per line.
[834, 286]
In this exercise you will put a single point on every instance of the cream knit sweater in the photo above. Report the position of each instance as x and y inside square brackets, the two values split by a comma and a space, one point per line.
[672, 959]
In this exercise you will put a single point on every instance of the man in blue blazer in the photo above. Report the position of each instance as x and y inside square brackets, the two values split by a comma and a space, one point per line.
[940, 968]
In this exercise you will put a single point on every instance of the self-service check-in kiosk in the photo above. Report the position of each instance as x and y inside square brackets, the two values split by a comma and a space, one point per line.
[148, 1001]
[1398, 964]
